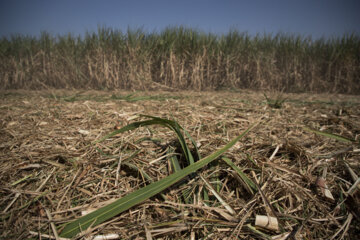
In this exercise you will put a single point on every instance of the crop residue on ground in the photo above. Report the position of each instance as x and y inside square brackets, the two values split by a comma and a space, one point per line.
[303, 159]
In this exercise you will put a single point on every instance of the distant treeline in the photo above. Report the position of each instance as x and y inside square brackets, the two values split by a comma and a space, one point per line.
[180, 58]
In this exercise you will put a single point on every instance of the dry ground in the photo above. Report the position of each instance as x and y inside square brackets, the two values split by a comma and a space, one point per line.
[49, 169]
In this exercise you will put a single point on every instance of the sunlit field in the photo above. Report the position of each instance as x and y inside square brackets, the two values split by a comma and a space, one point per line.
[176, 164]
[179, 134]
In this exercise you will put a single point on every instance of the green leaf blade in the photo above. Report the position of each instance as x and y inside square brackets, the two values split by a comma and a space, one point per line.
[251, 187]
[138, 196]
[329, 135]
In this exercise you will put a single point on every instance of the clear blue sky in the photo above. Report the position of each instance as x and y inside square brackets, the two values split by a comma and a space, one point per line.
[307, 17]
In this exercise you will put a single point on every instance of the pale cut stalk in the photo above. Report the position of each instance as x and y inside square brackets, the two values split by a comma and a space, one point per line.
[53, 228]
[17, 195]
[267, 222]
[47, 179]
[275, 152]
[352, 188]
[109, 236]
[225, 204]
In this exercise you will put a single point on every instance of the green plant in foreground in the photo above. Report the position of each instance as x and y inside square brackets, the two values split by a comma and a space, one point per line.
[100, 215]
[329, 135]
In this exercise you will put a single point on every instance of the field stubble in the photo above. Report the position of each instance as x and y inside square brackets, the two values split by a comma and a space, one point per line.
[49, 169]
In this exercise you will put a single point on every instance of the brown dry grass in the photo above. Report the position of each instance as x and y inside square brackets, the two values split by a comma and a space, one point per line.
[180, 58]
[45, 137]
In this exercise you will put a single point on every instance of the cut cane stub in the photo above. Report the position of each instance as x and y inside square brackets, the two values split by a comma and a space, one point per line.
[270, 223]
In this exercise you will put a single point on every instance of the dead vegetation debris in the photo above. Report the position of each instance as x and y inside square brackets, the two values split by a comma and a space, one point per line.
[51, 173]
